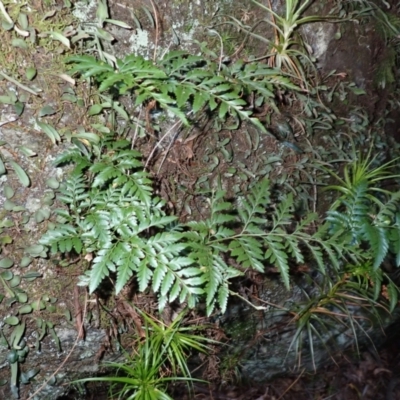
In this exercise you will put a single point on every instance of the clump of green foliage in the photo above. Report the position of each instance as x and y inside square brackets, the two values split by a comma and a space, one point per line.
[181, 81]
[112, 213]
[162, 350]
[369, 215]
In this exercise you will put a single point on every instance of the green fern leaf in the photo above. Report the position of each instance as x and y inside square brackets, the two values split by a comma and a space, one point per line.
[220, 206]
[100, 269]
[199, 101]
[162, 302]
[210, 307]
[158, 275]
[174, 292]
[221, 219]
[96, 227]
[199, 230]
[248, 252]
[393, 292]
[88, 66]
[57, 237]
[377, 238]
[106, 174]
[277, 256]
[223, 295]
[394, 237]
[167, 283]
[183, 93]
[223, 110]
[213, 274]
[317, 256]
[224, 233]
[334, 259]
[292, 245]
[144, 274]
[77, 245]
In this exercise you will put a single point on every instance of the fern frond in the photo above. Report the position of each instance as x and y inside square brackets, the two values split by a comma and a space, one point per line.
[74, 190]
[252, 208]
[283, 215]
[393, 293]
[248, 252]
[101, 267]
[276, 255]
[96, 228]
[63, 238]
[74, 156]
[394, 237]
[377, 238]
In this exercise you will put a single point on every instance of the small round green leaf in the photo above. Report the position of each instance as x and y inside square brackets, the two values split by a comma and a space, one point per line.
[32, 275]
[19, 108]
[7, 223]
[27, 151]
[22, 297]
[7, 26]
[13, 320]
[48, 199]
[7, 275]
[25, 261]
[25, 219]
[6, 99]
[95, 109]
[2, 167]
[25, 309]
[34, 250]
[6, 263]
[6, 239]
[46, 110]
[22, 176]
[17, 42]
[30, 73]
[15, 281]
[68, 315]
[8, 191]
[38, 305]
[53, 183]
[9, 205]
[12, 356]
[18, 208]
[41, 215]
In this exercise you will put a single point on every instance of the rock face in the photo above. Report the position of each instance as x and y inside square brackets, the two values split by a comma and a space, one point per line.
[264, 341]
[57, 369]
[299, 330]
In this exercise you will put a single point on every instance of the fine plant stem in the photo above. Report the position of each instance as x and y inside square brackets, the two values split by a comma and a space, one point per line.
[214, 32]
[258, 308]
[136, 130]
[15, 82]
[157, 30]
[292, 384]
[175, 125]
